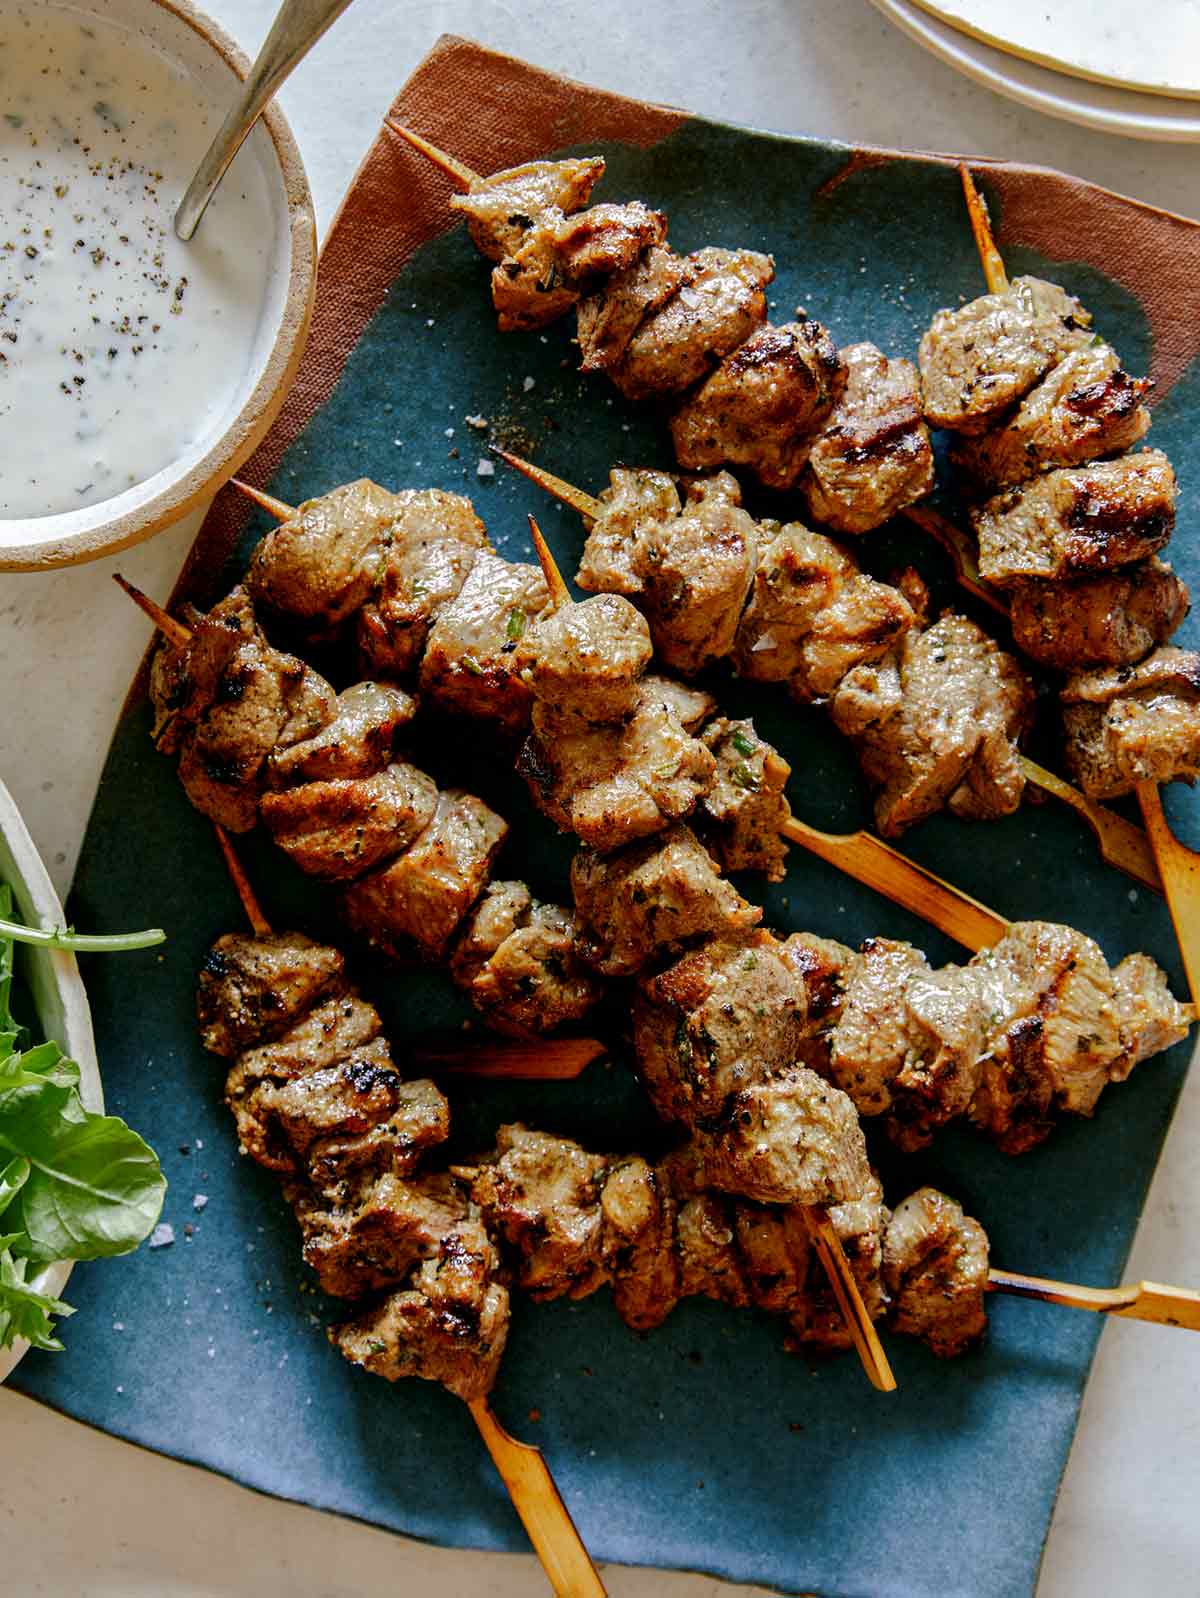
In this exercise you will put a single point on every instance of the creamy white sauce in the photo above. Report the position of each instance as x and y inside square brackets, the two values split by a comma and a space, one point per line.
[120, 347]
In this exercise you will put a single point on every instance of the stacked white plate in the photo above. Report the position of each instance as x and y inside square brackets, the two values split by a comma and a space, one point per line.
[1107, 65]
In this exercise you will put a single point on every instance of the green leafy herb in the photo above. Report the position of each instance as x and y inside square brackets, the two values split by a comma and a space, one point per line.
[744, 777]
[515, 625]
[73, 1185]
[743, 744]
[472, 665]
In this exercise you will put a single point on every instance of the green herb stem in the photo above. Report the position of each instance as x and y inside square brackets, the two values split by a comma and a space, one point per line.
[85, 942]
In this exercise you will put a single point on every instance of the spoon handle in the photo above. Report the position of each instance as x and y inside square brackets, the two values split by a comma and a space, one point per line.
[297, 27]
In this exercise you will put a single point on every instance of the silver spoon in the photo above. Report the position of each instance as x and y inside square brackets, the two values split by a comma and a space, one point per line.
[297, 27]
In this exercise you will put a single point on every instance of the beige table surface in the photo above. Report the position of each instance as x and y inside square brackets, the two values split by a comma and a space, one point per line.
[83, 1514]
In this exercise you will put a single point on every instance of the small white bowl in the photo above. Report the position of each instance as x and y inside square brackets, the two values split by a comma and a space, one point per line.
[52, 976]
[209, 58]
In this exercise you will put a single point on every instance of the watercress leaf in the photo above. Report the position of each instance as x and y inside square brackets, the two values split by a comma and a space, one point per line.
[25, 1313]
[49, 1061]
[13, 1178]
[94, 1187]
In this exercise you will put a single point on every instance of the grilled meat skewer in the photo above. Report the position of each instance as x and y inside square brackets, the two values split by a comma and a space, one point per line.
[845, 427]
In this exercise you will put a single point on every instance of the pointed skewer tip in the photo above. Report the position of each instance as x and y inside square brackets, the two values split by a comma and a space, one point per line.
[457, 171]
[176, 634]
[560, 594]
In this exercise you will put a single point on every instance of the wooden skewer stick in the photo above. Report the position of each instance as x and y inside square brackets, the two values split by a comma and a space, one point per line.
[459, 174]
[873, 862]
[549, 1059]
[1139, 1301]
[1178, 866]
[531, 1487]
[272, 506]
[825, 1239]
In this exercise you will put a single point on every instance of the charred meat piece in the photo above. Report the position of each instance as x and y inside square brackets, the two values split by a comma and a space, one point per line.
[799, 575]
[587, 658]
[340, 829]
[448, 1324]
[560, 255]
[502, 208]
[649, 898]
[321, 565]
[436, 537]
[613, 784]
[1054, 1033]
[278, 1122]
[541, 1195]
[872, 456]
[608, 318]
[746, 805]
[723, 1017]
[790, 1138]
[468, 668]
[253, 989]
[1137, 724]
[696, 570]
[422, 897]
[633, 503]
[226, 703]
[861, 624]
[935, 1263]
[1111, 620]
[516, 960]
[1077, 520]
[815, 1320]
[646, 1285]
[359, 741]
[711, 314]
[981, 359]
[907, 1038]
[1085, 407]
[396, 1146]
[938, 722]
[824, 969]
[1149, 1017]
[762, 405]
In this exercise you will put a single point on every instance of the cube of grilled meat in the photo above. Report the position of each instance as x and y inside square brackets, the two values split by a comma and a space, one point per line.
[502, 208]
[252, 989]
[614, 783]
[541, 1195]
[689, 563]
[1149, 1017]
[651, 897]
[633, 502]
[516, 961]
[1054, 1031]
[608, 317]
[640, 1207]
[709, 1262]
[226, 702]
[692, 707]
[1084, 407]
[982, 358]
[1111, 620]
[561, 255]
[724, 1016]
[338, 830]
[435, 539]
[907, 1039]
[872, 456]
[448, 1324]
[468, 668]
[320, 565]
[696, 571]
[815, 1321]
[864, 621]
[712, 313]
[1136, 724]
[419, 1121]
[790, 1138]
[937, 722]
[1077, 520]
[587, 658]
[823, 968]
[763, 404]
[423, 895]
[279, 1122]
[746, 805]
[935, 1263]
[365, 1235]
[799, 575]
[359, 741]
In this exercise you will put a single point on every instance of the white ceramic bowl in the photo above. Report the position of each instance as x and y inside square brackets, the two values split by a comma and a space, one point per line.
[214, 64]
[52, 976]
